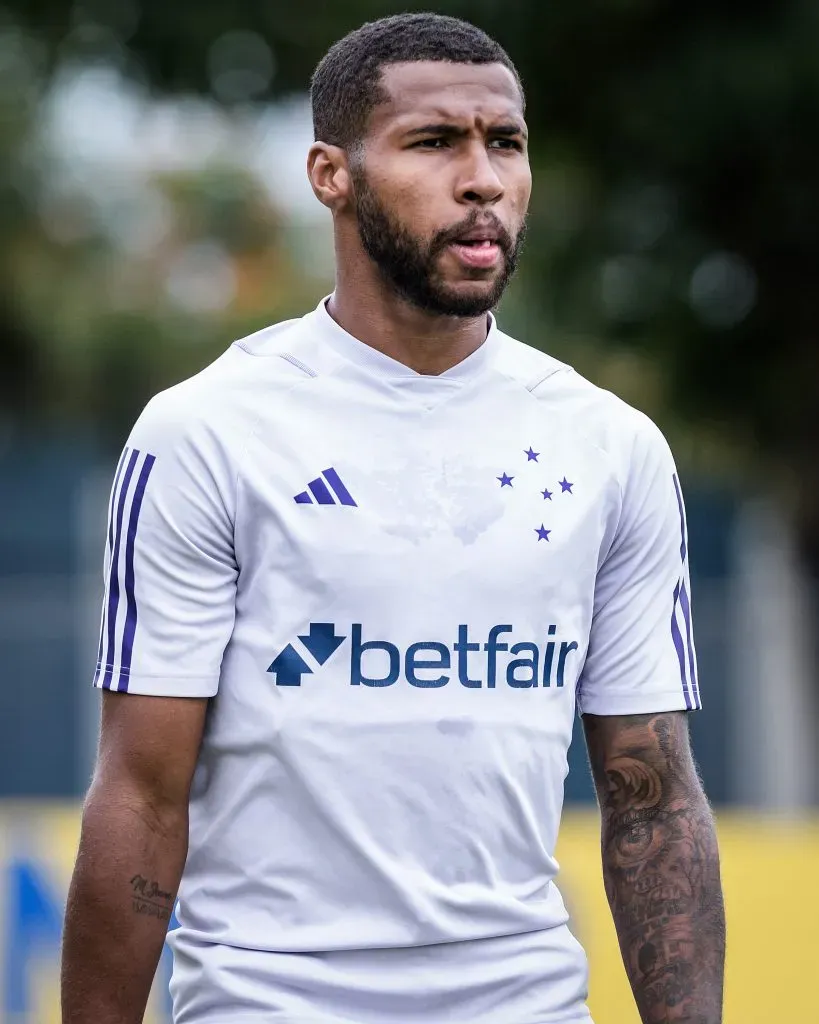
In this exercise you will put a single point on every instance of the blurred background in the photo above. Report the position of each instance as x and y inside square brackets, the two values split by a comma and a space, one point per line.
[154, 206]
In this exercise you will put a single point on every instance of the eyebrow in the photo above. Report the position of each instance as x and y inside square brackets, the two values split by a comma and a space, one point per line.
[508, 129]
[454, 131]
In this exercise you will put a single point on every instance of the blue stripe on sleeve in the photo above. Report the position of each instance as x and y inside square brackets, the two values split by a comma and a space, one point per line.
[111, 503]
[130, 595]
[113, 584]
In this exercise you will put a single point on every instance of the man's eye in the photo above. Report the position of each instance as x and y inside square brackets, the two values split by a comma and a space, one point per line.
[436, 143]
[505, 144]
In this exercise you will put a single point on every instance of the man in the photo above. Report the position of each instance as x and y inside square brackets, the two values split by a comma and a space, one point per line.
[359, 571]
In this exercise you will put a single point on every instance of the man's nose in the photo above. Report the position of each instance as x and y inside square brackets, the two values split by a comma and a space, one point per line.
[479, 181]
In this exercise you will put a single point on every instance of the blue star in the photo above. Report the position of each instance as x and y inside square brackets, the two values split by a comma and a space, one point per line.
[547, 495]
[565, 486]
[542, 532]
[505, 481]
[531, 456]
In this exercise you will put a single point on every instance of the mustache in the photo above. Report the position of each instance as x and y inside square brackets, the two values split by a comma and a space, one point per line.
[449, 235]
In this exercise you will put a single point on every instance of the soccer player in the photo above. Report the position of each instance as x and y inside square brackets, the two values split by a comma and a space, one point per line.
[361, 573]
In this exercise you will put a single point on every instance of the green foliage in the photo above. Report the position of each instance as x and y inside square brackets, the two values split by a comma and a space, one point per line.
[675, 224]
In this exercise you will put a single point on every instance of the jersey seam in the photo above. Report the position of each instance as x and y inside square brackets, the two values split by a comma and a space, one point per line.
[652, 704]
[253, 430]
[636, 696]
[152, 675]
[289, 358]
[637, 434]
[607, 455]
[531, 390]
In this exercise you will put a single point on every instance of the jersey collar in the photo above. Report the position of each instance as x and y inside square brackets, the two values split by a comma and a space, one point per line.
[371, 359]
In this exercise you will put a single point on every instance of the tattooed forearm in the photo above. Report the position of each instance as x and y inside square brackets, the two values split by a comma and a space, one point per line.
[149, 899]
[661, 866]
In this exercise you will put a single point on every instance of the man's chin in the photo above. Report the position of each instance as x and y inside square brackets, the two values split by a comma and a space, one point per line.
[469, 298]
[454, 295]
[460, 305]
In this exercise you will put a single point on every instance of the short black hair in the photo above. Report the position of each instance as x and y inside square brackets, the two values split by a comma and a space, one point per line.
[346, 85]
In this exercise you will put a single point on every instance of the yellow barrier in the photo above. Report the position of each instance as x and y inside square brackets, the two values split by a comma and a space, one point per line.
[38, 842]
[771, 891]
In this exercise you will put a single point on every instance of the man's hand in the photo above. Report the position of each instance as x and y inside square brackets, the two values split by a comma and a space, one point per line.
[660, 865]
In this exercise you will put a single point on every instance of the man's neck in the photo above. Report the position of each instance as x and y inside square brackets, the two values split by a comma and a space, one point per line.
[424, 342]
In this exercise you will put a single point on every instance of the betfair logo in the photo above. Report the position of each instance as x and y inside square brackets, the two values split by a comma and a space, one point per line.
[430, 664]
[321, 642]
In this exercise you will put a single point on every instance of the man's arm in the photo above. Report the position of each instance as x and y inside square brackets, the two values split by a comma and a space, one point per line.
[660, 865]
[132, 851]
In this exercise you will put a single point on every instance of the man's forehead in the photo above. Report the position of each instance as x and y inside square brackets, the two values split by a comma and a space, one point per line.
[444, 90]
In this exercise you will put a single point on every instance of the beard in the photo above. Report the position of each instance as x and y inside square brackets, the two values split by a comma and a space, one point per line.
[410, 264]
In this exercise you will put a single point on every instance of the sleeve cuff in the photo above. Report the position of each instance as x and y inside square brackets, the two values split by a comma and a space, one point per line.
[636, 703]
[159, 686]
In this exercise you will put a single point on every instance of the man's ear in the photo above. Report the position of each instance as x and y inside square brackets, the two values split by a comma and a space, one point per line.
[329, 172]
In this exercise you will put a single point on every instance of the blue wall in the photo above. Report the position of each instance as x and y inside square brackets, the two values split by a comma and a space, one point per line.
[39, 727]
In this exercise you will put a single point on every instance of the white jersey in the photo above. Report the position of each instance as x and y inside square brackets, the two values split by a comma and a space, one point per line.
[397, 589]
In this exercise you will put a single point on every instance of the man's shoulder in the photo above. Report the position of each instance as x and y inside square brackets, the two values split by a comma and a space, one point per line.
[223, 400]
[582, 407]
[525, 364]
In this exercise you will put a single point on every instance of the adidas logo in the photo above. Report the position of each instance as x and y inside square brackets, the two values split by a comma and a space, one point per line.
[318, 492]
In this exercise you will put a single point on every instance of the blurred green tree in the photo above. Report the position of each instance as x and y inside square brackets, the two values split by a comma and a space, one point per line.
[675, 227]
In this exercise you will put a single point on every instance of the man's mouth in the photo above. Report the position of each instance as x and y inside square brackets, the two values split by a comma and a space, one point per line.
[481, 253]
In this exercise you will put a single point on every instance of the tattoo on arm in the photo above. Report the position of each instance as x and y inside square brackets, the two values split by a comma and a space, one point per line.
[149, 899]
[660, 865]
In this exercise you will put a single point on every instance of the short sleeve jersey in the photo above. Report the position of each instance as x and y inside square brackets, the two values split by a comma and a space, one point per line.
[397, 590]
